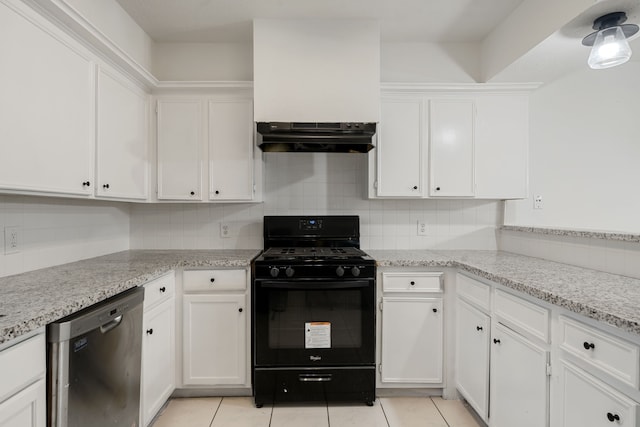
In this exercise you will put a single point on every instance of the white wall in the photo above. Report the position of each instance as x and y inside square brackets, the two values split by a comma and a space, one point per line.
[316, 184]
[585, 152]
[116, 24]
[54, 231]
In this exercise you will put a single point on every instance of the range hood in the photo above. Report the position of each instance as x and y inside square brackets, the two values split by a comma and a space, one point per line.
[316, 72]
[316, 137]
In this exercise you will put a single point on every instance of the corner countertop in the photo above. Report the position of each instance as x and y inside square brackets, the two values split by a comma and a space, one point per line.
[605, 297]
[31, 300]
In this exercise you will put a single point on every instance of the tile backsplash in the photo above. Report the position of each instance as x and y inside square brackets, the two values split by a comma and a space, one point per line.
[54, 231]
[318, 184]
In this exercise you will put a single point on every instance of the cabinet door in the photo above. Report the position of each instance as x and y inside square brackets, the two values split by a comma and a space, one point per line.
[472, 356]
[122, 157]
[519, 382]
[215, 340]
[501, 146]
[411, 340]
[451, 147]
[231, 150]
[26, 408]
[158, 361]
[399, 148]
[588, 402]
[180, 149]
[46, 109]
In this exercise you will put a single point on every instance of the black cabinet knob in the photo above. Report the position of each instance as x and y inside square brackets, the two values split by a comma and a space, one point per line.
[478, 328]
[213, 279]
[193, 193]
[163, 289]
[415, 187]
[105, 186]
[412, 283]
[437, 188]
[240, 310]
[588, 345]
[496, 341]
[435, 310]
[149, 331]
[613, 417]
[217, 192]
[86, 184]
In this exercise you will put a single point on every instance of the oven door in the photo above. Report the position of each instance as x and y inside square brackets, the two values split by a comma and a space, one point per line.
[314, 323]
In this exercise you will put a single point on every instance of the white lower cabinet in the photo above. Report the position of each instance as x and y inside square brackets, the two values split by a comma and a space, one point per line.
[411, 330]
[472, 356]
[158, 346]
[588, 402]
[519, 382]
[215, 329]
[23, 385]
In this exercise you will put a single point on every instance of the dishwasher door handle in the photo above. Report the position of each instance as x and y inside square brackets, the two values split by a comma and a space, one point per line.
[111, 324]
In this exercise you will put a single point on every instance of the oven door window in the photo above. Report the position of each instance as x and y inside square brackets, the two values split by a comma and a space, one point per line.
[326, 322]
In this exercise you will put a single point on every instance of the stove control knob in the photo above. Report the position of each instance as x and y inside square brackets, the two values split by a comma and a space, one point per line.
[274, 271]
[289, 271]
[340, 271]
[355, 271]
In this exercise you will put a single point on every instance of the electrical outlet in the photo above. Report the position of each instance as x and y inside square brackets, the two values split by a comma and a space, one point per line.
[422, 228]
[11, 240]
[225, 229]
[537, 202]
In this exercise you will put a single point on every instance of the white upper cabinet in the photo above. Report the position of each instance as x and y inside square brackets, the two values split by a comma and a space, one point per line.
[46, 108]
[231, 150]
[399, 148]
[451, 147]
[180, 149]
[501, 141]
[122, 146]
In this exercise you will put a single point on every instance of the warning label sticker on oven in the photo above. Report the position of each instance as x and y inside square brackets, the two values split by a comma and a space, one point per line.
[317, 335]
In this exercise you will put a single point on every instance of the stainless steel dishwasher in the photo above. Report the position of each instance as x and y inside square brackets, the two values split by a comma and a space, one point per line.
[93, 361]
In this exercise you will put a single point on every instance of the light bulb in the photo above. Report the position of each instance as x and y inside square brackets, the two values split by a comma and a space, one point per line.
[610, 48]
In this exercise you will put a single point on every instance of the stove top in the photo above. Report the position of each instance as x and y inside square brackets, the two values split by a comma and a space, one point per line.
[314, 253]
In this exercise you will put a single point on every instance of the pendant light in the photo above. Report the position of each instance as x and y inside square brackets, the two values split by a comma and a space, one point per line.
[609, 41]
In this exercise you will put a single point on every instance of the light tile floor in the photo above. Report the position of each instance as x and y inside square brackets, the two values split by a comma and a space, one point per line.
[386, 412]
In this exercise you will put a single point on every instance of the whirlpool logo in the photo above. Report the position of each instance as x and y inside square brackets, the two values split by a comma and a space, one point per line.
[315, 358]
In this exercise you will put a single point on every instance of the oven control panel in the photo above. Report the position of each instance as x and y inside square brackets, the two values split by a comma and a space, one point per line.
[280, 271]
[310, 224]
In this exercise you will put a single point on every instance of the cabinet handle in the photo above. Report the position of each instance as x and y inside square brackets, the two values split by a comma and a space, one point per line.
[613, 417]
[412, 283]
[193, 193]
[217, 192]
[105, 186]
[435, 310]
[588, 345]
[213, 279]
[163, 289]
[240, 310]
[149, 331]
[478, 328]
[437, 188]
[86, 184]
[415, 187]
[496, 341]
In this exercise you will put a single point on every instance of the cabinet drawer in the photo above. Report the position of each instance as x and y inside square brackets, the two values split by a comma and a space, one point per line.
[21, 365]
[159, 290]
[612, 355]
[474, 291]
[589, 402]
[522, 315]
[412, 281]
[215, 280]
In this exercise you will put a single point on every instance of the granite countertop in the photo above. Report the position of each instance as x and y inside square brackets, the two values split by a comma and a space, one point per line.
[605, 297]
[34, 299]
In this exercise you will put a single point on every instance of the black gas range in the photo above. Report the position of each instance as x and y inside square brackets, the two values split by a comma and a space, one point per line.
[313, 323]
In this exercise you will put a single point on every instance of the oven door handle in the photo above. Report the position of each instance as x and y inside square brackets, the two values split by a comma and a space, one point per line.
[314, 285]
[314, 378]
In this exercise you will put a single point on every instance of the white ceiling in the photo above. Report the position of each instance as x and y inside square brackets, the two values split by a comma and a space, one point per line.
[400, 20]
